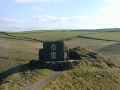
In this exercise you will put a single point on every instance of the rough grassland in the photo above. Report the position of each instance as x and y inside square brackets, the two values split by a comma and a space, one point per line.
[60, 35]
[86, 76]
[105, 35]
[13, 55]
[51, 35]
[89, 74]
[17, 52]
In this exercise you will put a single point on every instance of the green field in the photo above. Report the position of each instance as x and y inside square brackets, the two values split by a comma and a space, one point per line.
[17, 51]
[50, 35]
[60, 35]
[105, 35]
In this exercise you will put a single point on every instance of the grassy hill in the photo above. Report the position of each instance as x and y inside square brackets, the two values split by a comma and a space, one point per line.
[18, 49]
[15, 58]
[89, 74]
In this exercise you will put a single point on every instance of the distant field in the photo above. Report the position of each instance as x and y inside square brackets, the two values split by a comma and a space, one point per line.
[51, 35]
[87, 43]
[105, 35]
[61, 35]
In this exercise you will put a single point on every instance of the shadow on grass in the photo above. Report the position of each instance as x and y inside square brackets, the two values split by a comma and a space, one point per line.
[33, 65]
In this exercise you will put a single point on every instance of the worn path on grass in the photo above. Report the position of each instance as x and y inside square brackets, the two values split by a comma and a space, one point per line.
[38, 85]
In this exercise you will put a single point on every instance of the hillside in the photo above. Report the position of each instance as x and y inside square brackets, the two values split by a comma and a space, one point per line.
[20, 50]
[15, 63]
[90, 74]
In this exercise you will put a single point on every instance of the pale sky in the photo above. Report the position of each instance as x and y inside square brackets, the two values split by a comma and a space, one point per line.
[20, 15]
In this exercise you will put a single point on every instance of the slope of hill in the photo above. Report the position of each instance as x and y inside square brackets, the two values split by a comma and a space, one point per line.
[18, 49]
[15, 58]
[89, 74]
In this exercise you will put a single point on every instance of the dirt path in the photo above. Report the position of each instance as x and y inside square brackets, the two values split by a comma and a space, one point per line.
[42, 82]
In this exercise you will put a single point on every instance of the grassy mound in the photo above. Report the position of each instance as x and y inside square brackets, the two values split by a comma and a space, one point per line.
[20, 80]
[90, 74]
[15, 56]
